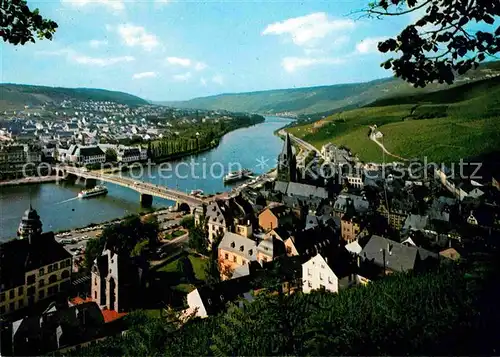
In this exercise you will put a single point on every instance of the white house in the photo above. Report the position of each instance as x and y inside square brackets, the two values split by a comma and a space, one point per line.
[321, 273]
[355, 181]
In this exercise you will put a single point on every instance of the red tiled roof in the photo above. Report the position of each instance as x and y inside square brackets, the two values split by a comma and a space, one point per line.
[78, 300]
[111, 315]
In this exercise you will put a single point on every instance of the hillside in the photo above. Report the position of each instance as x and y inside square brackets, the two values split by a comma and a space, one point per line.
[322, 99]
[444, 126]
[16, 96]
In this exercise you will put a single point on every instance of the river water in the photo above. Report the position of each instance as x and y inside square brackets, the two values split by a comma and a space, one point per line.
[255, 148]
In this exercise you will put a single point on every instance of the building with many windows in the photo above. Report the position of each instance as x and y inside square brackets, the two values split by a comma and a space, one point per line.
[32, 268]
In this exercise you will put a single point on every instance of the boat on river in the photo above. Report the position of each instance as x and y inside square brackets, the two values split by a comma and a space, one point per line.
[238, 175]
[96, 191]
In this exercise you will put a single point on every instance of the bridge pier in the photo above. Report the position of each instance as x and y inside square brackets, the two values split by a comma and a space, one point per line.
[146, 200]
[90, 183]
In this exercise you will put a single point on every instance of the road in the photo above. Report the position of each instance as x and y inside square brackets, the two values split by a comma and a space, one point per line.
[373, 131]
[302, 143]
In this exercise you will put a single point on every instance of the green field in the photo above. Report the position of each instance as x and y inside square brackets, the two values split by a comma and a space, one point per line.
[178, 282]
[448, 125]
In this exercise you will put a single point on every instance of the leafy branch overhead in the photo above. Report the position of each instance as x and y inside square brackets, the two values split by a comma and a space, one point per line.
[440, 43]
[19, 24]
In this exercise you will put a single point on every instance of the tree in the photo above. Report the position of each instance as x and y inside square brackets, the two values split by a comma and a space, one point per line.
[19, 24]
[111, 155]
[187, 222]
[140, 248]
[198, 239]
[440, 43]
[93, 249]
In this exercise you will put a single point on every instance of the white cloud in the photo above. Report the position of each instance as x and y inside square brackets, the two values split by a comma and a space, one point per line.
[218, 79]
[369, 45]
[144, 75]
[184, 62]
[73, 56]
[290, 64]
[97, 43]
[307, 30]
[134, 36]
[112, 5]
[182, 77]
[100, 61]
[200, 66]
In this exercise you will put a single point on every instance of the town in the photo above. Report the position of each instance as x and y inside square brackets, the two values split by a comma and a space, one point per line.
[89, 133]
[299, 234]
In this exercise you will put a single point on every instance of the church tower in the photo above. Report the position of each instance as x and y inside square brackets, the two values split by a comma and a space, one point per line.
[31, 225]
[287, 165]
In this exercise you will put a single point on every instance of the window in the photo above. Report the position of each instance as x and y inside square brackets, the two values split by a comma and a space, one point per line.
[309, 284]
[330, 280]
[2, 297]
[20, 290]
[68, 262]
[41, 271]
[56, 266]
[12, 306]
[209, 301]
[65, 274]
[264, 259]
[41, 294]
[234, 258]
[31, 279]
[226, 256]
[322, 266]
[12, 294]
[31, 291]
[2, 309]
[20, 304]
[322, 287]
[221, 298]
[95, 295]
[309, 271]
[320, 276]
[52, 279]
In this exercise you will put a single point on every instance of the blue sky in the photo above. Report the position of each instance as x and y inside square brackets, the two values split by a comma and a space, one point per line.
[172, 50]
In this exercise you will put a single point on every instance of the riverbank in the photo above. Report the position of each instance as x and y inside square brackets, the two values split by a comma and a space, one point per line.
[30, 181]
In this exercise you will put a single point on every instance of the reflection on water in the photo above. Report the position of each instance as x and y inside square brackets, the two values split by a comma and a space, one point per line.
[58, 208]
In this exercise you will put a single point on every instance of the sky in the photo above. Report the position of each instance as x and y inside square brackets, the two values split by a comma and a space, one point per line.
[166, 50]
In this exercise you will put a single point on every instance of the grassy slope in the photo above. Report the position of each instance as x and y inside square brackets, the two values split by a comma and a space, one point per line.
[15, 96]
[456, 123]
[320, 99]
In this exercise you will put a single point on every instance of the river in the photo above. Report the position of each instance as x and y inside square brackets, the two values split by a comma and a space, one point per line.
[255, 148]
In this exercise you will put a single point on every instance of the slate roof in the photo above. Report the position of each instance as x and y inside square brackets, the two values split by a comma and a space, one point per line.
[216, 297]
[90, 151]
[280, 186]
[238, 244]
[399, 257]
[416, 222]
[18, 256]
[304, 190]
[361, 205]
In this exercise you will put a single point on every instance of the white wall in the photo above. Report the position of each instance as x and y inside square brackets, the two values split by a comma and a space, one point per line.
[316, 272]
[194, 302]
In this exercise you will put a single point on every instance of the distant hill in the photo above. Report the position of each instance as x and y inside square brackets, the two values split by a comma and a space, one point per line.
[322, 99]
[444, 126]
[16, 96]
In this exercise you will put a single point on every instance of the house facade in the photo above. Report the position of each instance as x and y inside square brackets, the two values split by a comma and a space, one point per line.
[34, 267]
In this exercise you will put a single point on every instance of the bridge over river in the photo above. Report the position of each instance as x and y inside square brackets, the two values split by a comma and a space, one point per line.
[146, 190]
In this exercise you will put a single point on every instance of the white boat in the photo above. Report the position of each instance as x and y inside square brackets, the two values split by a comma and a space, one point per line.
[196, 192]
[96, 191]
[237, 175]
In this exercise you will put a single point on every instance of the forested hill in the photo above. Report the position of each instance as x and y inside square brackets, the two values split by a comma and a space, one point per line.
[16, 96]
[452, 311]
[325, 98]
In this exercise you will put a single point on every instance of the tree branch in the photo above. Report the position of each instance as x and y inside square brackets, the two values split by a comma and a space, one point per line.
[409, 11]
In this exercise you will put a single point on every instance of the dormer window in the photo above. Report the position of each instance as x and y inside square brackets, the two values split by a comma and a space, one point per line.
[250, 252]
[233, 245]
[209, 301]
[242, 248]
